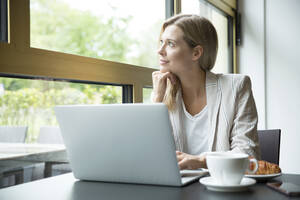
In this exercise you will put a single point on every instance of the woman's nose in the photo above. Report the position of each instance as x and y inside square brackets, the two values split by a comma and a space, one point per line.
[161, 50]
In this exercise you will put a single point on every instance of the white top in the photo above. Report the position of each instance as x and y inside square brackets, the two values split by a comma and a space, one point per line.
[196, 128]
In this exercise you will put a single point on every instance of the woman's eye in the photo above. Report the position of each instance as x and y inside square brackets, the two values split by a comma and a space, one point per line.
[161, 42]
[171, 44]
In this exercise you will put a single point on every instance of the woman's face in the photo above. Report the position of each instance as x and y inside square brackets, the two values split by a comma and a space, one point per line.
[174, 53]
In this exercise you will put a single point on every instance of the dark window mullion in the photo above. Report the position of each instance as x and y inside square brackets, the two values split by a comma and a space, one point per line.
[169, 8]
[230, 43]
[127, 94]
[3, 21]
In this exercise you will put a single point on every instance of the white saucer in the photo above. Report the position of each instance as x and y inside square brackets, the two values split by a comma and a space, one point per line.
[262, 177]
[211, 185]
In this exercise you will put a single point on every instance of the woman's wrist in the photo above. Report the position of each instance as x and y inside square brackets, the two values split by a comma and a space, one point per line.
[202, 161]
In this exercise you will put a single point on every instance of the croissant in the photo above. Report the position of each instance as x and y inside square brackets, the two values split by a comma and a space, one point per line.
[265, 167]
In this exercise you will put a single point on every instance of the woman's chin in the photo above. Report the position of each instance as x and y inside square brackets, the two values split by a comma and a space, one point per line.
[163, 69]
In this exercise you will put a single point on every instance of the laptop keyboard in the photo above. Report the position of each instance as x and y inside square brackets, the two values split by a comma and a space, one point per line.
[190, 173]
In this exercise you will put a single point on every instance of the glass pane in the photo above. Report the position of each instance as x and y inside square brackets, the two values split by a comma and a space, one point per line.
[30, 102]
[3, 21]
[117, 30]
[221, 24]
[147, 95]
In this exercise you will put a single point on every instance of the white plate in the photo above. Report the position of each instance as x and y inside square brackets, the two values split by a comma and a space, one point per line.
[211, 185]
[262, 177]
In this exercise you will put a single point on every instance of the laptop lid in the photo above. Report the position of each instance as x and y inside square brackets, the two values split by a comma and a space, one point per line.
[130, 143]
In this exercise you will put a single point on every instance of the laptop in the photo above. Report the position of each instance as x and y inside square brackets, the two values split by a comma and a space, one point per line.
[125, 143]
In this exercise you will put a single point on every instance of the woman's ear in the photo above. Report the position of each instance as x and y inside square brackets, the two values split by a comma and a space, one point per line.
[197, 52]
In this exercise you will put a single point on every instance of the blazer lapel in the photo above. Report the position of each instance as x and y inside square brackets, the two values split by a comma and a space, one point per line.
[213, 97]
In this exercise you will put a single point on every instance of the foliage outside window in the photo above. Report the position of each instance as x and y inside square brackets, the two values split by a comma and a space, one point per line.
[108, 29]
[31, 102]
[147, 95]
[61, 25]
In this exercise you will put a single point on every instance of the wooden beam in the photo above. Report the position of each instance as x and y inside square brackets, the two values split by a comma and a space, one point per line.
[19, 24]
[222, 6]
[43, 63]
[231, 3]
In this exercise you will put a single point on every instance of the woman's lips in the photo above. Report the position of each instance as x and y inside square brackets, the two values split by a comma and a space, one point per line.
[162, 62]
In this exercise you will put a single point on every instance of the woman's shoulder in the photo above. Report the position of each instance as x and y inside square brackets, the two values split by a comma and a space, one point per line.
[233, 80]
[231, 84]
[233, 77]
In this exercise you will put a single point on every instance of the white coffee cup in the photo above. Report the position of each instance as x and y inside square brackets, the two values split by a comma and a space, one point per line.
[227, 168]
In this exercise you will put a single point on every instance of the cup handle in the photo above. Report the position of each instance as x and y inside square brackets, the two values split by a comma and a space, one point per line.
[255, 168]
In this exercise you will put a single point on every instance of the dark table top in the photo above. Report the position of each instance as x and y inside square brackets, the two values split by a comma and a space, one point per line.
[66, 187]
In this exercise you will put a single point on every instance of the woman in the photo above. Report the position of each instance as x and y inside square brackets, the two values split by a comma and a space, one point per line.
[208, 112]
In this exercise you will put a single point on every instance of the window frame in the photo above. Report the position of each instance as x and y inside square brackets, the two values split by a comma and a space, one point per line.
[169, 5]
[127, 94]
[230, 33]
[17, 58]
[63, 66]
[3, 21]
[226, 8]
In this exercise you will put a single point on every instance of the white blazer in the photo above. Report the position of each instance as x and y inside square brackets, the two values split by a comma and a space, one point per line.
[232, 115]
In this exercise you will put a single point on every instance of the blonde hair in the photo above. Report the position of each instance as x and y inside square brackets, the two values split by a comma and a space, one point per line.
[197, 31]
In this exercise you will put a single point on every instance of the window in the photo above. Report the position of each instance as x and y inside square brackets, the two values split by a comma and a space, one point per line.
[3, 21]
[27, 101]
[147, 95]
[97, 41]
[223, 25]
[116, 30]
[30, 102]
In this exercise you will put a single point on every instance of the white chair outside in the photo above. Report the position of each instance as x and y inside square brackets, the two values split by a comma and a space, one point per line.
[12, 175]
[13, 134]
[50, 135]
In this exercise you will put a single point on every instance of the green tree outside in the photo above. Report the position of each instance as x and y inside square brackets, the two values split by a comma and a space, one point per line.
[55, 26]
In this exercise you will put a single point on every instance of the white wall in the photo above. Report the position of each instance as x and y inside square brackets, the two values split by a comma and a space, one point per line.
[251, 54]
[270, 54]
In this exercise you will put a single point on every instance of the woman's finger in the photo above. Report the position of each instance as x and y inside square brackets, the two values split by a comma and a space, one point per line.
[165, 75]
[179, 158]
[154, 73]
[161, 77]
[183, 164]
[158, 73]
[179, 155]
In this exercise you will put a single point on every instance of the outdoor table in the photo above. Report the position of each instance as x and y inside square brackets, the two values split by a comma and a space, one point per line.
[16, 155]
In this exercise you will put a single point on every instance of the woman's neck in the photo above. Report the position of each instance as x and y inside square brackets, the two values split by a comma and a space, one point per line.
[194, 91]
[193, 84]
